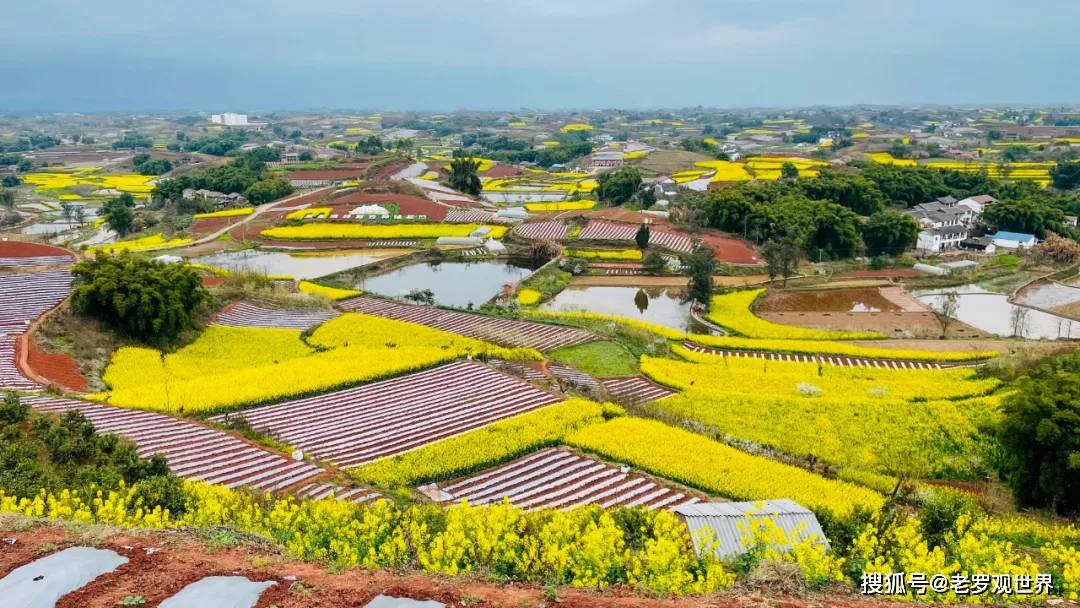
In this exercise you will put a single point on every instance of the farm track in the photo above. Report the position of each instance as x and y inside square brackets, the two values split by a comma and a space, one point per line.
[193, 451]
[825, 359]
[355, 426]
[506, 332]
[243, 314]
[558, 478]
[25, 296]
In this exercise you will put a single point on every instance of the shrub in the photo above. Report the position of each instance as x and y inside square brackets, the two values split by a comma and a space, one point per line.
[148, 301]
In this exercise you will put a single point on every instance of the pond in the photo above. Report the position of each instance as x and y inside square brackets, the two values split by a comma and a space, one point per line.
[453, 283]
[993, 313]
[659, 305]
[306, 265]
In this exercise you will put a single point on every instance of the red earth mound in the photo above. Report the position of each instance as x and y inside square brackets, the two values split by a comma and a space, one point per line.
[55, 367]
[22, 249]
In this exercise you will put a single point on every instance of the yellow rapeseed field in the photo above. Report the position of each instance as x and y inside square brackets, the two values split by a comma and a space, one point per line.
[319, 231]
[227, 213]
[333, 293]
[233, 366]
[154, 241]
[732, 311]
[560, 206]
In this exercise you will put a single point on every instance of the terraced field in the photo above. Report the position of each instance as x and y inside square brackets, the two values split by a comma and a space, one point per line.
[620, 231]
[193, 451]
[536, 231]
[10, 376]
[560, 478]
[24, 296]
[243, 314]
[636, 389]
[358, 425]
[506, 332]
[824, 359]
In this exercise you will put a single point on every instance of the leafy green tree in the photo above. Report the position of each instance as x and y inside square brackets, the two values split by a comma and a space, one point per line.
[618, 187]
[1066, 174]
[369, 146]
[463, 175]
[7, 198]
[266, 190]
[855, 192]
[119, 217]
[781, 256]
[146, 300]
[789, 171]
[641, 237]
[10, 181]
[1029, 215]
[1040, 435]
[889, 233]
[700, 265]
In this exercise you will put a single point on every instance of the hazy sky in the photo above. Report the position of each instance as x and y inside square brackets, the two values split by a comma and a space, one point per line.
[453, 54]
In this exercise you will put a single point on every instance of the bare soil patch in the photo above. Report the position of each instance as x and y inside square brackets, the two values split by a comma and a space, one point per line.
[58, 367]
[863, 299]
[163, 562]
[23, 249]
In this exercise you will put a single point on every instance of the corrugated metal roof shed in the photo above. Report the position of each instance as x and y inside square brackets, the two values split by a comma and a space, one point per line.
[730, 521]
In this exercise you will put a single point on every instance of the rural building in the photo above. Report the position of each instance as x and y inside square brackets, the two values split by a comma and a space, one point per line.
[606, 159]
[729, 522]
[936, 240]
[979, 243]
[327, 177]
[229, 119]
[977, 203]
[1013, 240]
[945, 211]
[220, 199]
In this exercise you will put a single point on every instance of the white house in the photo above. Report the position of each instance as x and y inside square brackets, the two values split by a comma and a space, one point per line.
[978, 203]
[936, 240]
[1013, 240]
[229, 119]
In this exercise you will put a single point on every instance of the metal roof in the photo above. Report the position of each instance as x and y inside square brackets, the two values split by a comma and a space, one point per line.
[729, 522]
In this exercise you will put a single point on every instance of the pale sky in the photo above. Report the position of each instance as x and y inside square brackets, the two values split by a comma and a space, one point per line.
[245, 55]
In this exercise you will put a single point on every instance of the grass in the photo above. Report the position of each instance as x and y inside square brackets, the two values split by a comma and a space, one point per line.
[549, 282]
[601, 359]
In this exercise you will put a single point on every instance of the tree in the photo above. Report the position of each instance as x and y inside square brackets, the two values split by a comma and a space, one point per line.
[149, 301]
[421, 296]
[7, 198]
[618, 187]
[266, 190]
[119, 213]
[120, 218]
[305, 156]
[1028, 215]
[463, 175]
[369, 146]
[889, 233]
[945, 310]
[789, 171]
[1040, 436]
[641, 237]
[67, 210]
[10, 181]
[1066, 174]
[781, 256]
[700, 266]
